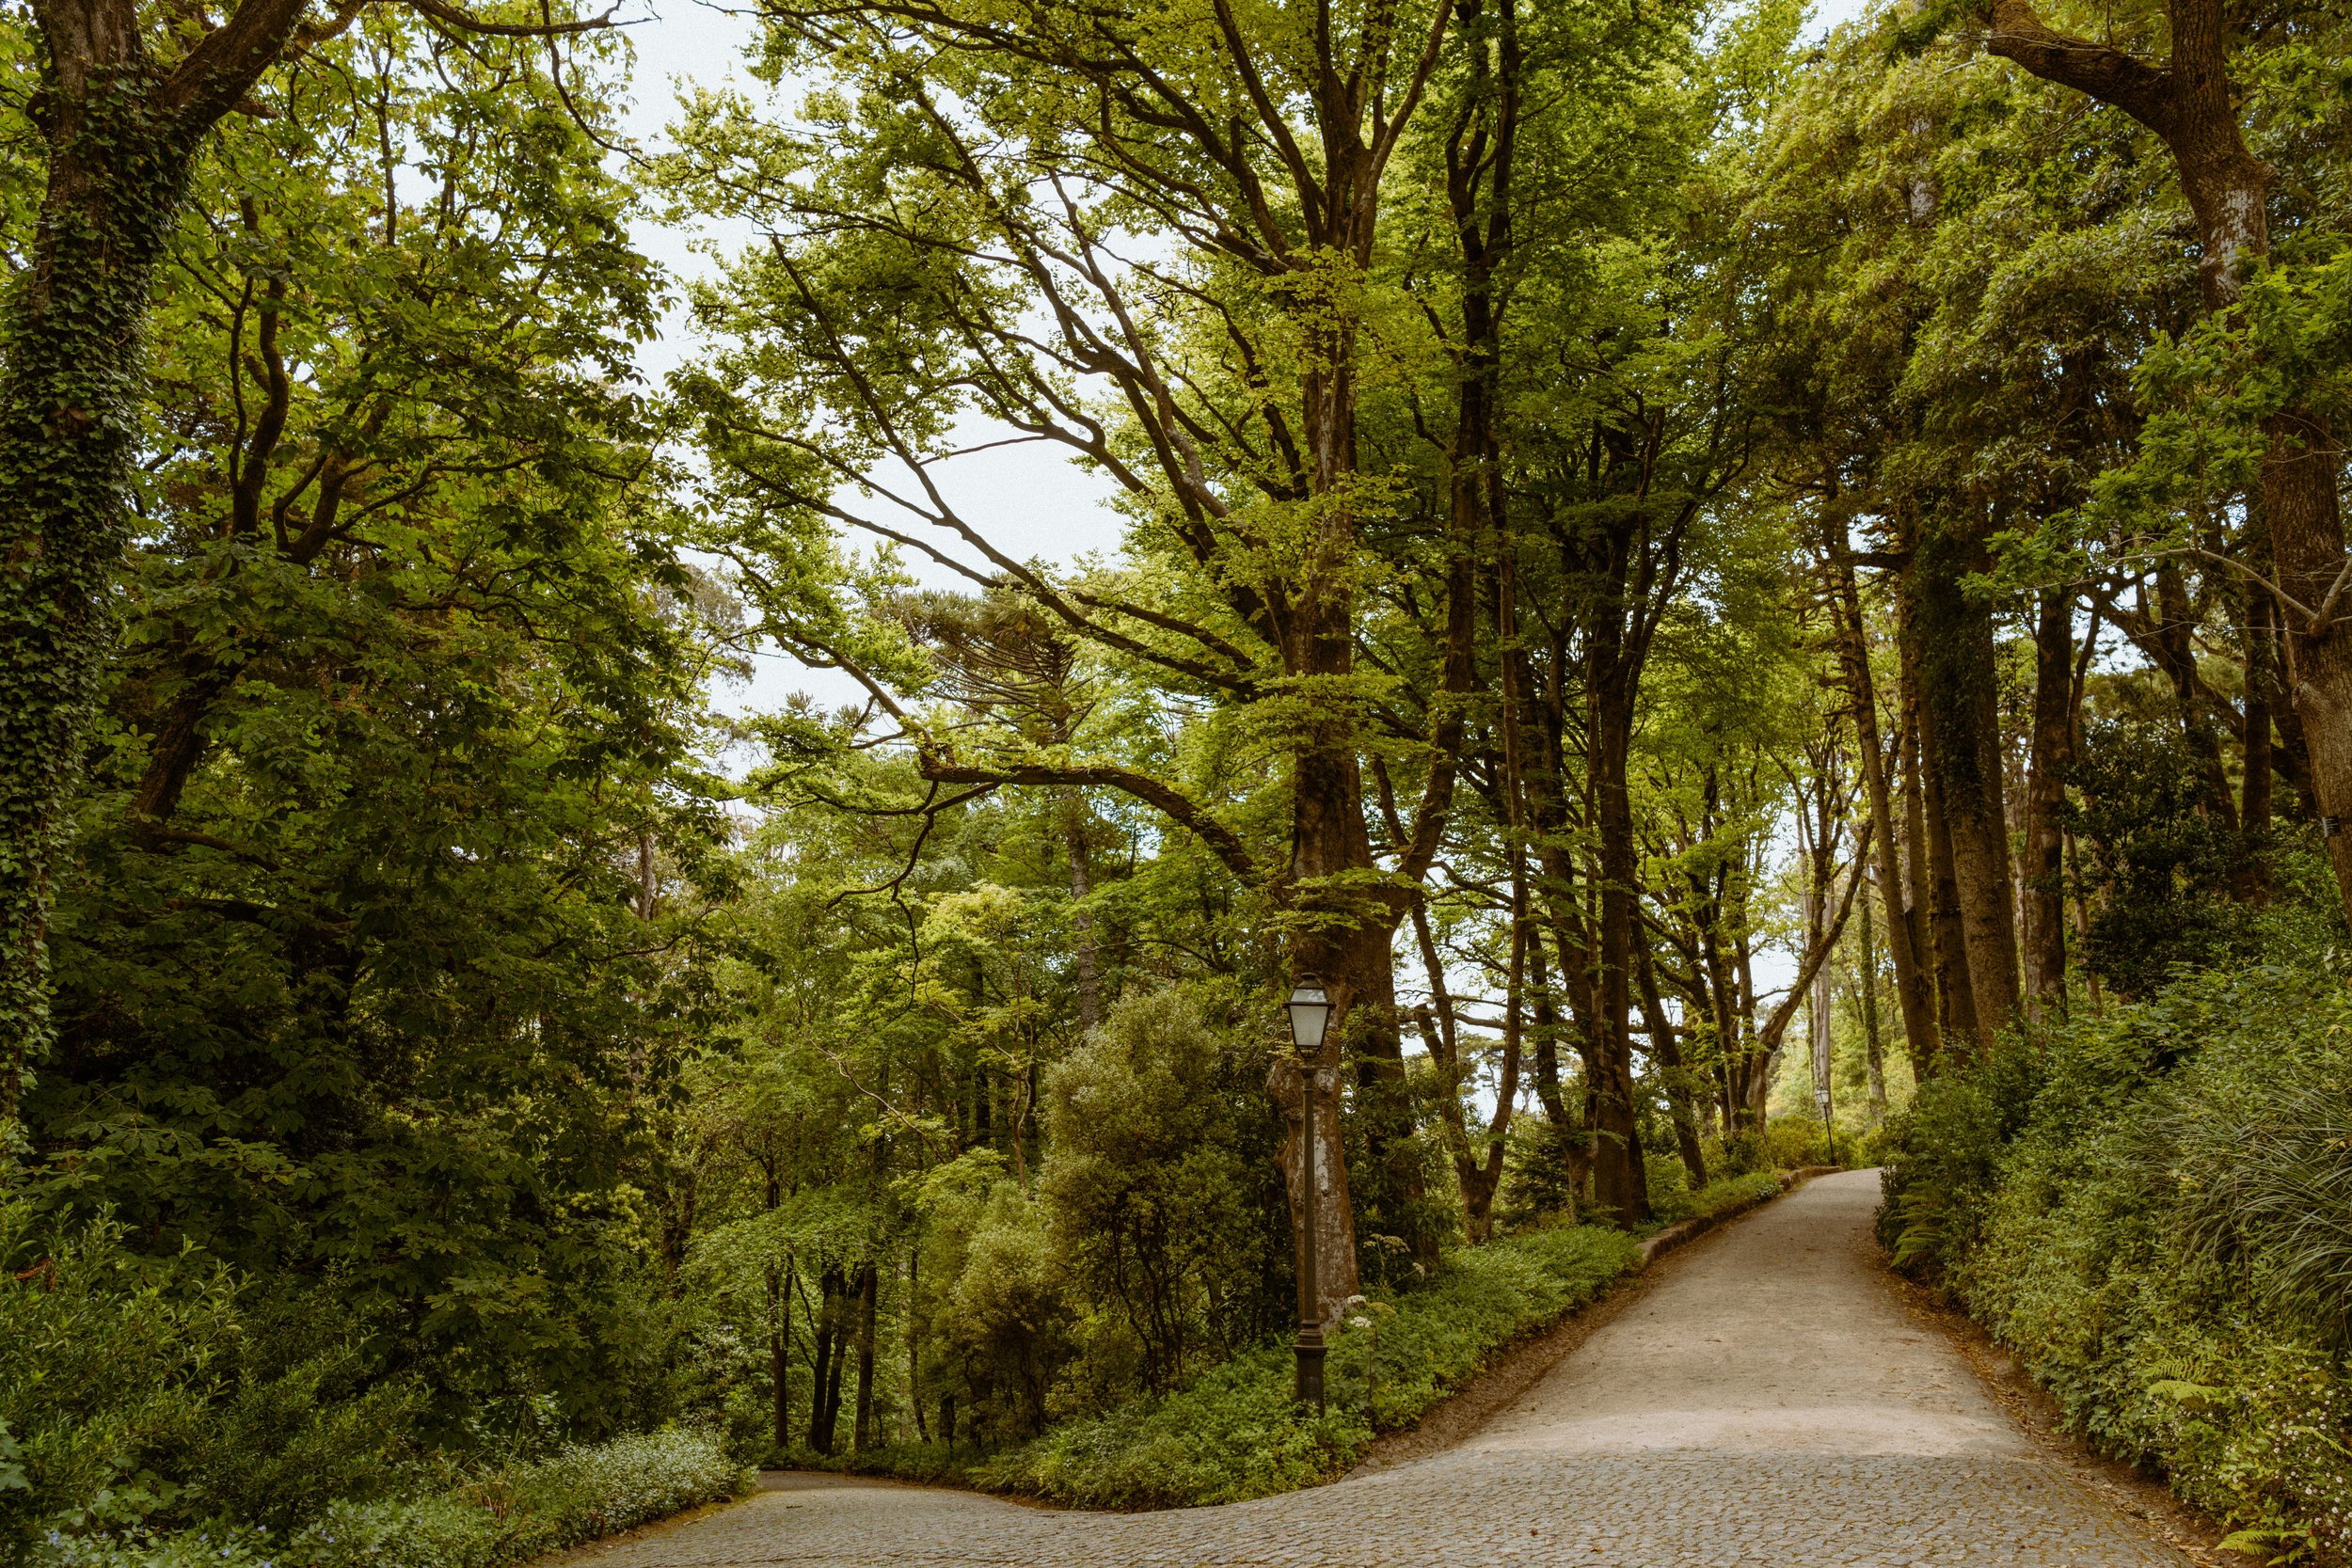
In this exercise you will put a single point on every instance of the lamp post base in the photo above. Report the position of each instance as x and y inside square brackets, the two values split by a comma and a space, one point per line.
[1309, 1388]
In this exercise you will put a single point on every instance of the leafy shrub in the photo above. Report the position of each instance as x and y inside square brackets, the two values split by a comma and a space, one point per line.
[134, 1391]
[2163, 865]
[2154, 1211]
[1145, 1189]
[1784, 1143]
[1672, 1199]
[501, 1518]
[1233, 1431]
[1145, 1247]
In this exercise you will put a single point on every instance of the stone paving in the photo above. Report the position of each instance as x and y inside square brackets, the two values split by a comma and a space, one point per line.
[1768, 1404]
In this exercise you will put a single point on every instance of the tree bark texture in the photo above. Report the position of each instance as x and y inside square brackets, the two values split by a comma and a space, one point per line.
[1335, 1277]
[1960, 746]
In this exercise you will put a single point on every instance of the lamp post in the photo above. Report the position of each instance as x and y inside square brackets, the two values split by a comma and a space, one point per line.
[1310, 1008]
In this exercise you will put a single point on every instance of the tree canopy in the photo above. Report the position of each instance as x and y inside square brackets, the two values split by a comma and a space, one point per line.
[1709, 576]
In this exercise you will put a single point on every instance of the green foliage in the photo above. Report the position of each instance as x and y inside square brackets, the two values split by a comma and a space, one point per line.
[2151, 1207]
[1235, 1432]
[2163, 867]
[1144, 1251]
[363, 970]
[1672, 1202]
[490, 1520]
[136, 1391]
[1157, 1132]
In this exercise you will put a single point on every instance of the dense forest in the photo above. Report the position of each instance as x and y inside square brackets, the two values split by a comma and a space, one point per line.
[1744, 595]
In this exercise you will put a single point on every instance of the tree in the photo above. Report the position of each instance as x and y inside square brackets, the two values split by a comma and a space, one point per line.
[124, 107]
[2189, 102]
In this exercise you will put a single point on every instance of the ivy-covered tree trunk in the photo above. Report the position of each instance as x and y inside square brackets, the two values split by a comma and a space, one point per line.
[69, 416]
[121, 134]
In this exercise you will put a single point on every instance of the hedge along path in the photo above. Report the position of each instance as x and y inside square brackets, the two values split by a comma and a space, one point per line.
[1765, 1400]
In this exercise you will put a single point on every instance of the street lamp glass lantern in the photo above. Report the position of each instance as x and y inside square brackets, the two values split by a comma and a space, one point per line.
[1309, 1010]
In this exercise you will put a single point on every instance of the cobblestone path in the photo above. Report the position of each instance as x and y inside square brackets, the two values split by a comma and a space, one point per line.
[1768, 1404]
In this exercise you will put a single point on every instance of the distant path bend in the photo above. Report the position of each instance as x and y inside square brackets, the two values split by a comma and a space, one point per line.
[1768, 1404]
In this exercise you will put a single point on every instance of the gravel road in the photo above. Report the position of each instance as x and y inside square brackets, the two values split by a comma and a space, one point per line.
[1765, 1402]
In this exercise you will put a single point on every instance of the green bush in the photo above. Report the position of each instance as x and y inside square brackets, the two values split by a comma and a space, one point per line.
[498, 1518]
[136, 1391]
[1786, 1142]
[2153, 1209]
[1234, 1432]
[1672, 1202]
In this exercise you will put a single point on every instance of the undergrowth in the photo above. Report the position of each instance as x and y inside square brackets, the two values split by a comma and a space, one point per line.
[1235, 1434]
[2153, 1210]
[492, 1520]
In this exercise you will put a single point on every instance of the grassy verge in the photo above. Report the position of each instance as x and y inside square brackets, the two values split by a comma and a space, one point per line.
[1234, 1434]
[1728, 1192]
[503, 1517]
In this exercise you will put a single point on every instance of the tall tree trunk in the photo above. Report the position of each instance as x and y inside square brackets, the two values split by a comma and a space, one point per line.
[1669, 1053]
[824, 1362]
[1874, 1050]
[119, 135]
[1344, 936]
[2189, 102]
[2045, 804]
[1959, 729]
[1955, 994]
[1619, 1190]
[1915, 989]
[868, 1296]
